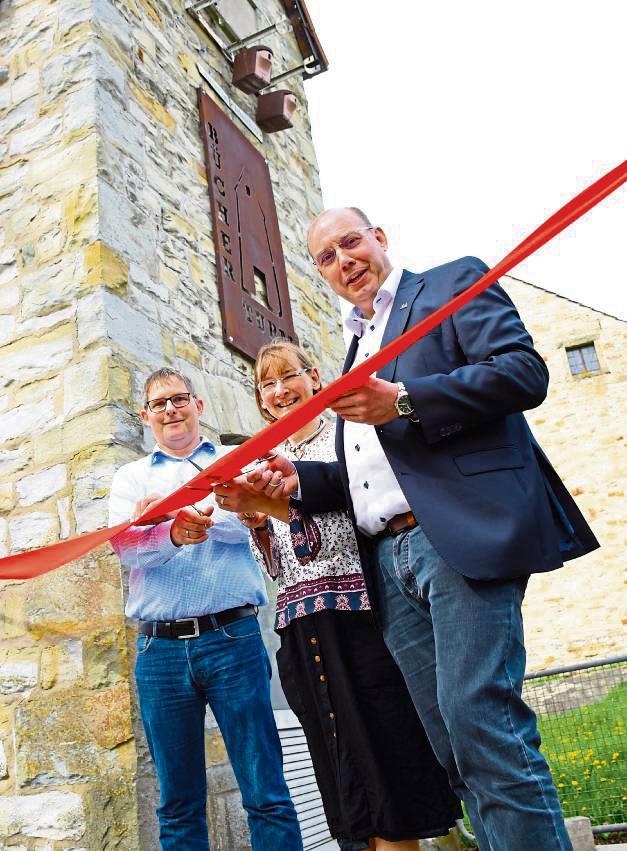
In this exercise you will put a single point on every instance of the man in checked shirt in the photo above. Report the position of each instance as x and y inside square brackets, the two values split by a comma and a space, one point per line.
[193, 588]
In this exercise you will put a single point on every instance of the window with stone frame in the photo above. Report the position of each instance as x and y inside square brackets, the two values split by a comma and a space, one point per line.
[583, 359]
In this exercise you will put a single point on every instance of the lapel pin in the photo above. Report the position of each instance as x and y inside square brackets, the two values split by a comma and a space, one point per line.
[403, 306]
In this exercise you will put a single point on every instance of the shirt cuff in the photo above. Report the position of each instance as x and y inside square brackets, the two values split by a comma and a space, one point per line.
[297, 495]
[157, 542]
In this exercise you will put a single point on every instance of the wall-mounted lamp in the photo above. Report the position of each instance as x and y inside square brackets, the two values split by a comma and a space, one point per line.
[275, 110]
[252, 68]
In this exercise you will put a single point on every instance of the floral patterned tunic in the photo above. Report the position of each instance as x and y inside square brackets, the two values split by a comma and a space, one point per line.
[314, 558]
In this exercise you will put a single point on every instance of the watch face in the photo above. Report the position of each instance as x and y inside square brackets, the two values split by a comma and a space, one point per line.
[404, 405]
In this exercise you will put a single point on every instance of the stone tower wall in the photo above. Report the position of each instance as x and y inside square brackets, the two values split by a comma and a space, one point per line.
[107, 272]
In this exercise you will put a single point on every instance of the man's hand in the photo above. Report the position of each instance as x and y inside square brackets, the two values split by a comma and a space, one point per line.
[190, 527]
[373, 404]
[146, 504]
[277, 478]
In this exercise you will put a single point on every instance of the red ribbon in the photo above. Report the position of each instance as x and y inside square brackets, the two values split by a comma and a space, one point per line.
[36, 562]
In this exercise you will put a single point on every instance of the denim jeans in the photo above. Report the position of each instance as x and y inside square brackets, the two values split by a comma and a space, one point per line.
[459, 643]
[227, 668]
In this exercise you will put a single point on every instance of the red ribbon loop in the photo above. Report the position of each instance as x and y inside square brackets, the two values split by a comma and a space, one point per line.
[36, 562]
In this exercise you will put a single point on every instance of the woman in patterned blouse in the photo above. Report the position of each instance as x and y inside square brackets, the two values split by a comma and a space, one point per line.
[380, 783]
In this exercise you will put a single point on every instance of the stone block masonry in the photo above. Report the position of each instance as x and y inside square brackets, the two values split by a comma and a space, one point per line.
[107, 272]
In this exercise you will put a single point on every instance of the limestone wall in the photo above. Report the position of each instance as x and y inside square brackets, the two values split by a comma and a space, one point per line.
[107, 272]
[577, 613]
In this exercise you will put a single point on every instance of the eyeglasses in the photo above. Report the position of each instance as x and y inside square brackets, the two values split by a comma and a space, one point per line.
[347, 243]
[270, 385]
[158, 406]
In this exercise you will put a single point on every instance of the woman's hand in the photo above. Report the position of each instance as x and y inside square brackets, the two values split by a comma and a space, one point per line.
[253, 519]
[243, 498]
[238, 496]
[277, 478]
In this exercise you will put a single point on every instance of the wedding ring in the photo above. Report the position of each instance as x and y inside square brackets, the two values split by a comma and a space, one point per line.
[275, 486]
[187, 533]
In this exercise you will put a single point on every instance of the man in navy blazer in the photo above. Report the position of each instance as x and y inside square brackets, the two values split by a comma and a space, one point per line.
[454, 505]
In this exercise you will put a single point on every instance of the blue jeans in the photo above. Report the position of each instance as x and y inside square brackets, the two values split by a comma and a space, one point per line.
[227, 668]
[459, 644]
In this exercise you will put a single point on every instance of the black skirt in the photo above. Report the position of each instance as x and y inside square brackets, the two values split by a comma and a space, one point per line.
[375, 768]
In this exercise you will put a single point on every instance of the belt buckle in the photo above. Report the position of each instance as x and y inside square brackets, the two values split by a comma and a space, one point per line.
[193, 634]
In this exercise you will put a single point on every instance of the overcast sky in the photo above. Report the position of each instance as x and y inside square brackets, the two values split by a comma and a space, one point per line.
[459, 127]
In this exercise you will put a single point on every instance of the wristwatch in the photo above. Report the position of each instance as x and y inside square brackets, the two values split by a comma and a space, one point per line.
[403, 403]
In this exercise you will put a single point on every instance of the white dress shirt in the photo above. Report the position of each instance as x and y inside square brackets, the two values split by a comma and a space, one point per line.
[374, 488]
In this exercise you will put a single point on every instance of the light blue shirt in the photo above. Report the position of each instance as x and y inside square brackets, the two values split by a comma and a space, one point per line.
[168, 582]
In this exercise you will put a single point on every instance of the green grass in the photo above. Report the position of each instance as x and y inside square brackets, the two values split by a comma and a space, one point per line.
[585, 749]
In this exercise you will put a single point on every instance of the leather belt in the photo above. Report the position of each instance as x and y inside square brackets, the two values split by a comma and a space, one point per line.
[192, 627]
[400, 523]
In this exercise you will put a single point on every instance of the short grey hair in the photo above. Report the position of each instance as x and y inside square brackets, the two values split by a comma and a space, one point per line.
[164, 374]
[361, 215]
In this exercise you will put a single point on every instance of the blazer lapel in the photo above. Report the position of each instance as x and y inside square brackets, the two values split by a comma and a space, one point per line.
[408, 290]
[350, 356]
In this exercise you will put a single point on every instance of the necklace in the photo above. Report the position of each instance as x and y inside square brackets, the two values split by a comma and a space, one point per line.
[299, 448]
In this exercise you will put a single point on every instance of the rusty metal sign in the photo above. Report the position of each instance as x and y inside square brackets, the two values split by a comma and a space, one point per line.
[252, 283]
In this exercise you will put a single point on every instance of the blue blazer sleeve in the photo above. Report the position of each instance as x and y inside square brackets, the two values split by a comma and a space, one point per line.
[321, 487]
[503, 374]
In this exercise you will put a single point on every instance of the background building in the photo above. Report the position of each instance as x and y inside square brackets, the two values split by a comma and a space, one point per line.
[578, 613]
